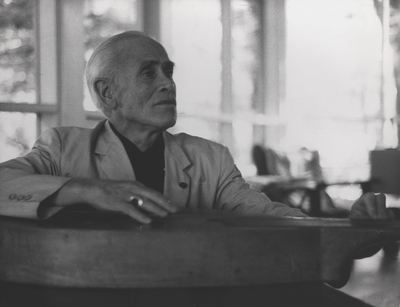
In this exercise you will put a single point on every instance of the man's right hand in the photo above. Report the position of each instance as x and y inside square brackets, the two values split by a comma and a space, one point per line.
[110, 195]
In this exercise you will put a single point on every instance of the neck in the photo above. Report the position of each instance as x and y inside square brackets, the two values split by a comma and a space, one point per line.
[142, 138]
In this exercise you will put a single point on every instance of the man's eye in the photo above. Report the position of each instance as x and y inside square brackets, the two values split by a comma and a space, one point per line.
[148, 73]
[169, 73]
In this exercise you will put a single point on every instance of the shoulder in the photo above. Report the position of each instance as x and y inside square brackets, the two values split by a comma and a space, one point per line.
[66, 139]
[197, 150]
[72, 134]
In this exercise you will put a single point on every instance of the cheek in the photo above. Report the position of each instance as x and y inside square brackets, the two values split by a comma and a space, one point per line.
[130, 100]
[135, 98]
[141, 95]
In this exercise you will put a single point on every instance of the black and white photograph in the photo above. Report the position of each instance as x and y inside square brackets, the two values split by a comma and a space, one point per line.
[199, 153]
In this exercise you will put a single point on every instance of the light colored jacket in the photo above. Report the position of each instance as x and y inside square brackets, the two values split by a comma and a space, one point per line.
[198, 173]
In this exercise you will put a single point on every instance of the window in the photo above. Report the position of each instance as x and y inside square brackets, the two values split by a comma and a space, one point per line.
[17, 77]
[102, 19]
[287, 74]
[217, 49]
[246, 42]
[42, 52]
[196, 46]
[17, 134]
[339, 98]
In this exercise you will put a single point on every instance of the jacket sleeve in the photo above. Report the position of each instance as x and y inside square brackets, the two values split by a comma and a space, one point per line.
[236, 195]
[26, 181]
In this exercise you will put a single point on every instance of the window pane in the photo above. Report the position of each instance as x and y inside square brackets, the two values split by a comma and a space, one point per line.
[195, 39]
[17, 134]
[17, 51]
[198, 126]
[196, 35]
[246, 73]
[334, 83]
[246, 53]
[104, 18]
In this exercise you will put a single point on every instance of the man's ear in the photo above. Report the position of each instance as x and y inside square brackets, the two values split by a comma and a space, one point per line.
[105, 92]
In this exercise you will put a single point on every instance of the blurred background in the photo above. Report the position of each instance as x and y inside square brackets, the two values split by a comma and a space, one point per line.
[291, 75]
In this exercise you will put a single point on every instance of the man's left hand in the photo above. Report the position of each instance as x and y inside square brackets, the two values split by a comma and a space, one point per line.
[371, 206]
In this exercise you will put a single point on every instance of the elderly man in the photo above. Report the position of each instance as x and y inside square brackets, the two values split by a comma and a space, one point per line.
[129, 163]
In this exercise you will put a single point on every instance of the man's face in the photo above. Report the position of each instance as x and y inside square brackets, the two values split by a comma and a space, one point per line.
[146, 94]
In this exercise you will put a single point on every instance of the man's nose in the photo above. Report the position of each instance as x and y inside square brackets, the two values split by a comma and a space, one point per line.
[167, 84]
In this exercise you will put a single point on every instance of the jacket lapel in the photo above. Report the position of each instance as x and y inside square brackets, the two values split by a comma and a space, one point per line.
[177, 182]
[113, 162]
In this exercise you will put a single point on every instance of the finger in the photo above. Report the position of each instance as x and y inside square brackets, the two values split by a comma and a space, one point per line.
[137, 215]
[382, 211]
[150, 206]
[136, 200]
[156, 198]
[370, 204]
[126, 207]
[361, 208]
[357, 215]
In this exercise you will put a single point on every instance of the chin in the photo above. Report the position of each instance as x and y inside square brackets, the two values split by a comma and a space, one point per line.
[171, 124]
[166, 124]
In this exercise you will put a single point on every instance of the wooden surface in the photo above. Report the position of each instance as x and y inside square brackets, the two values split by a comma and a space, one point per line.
[200, 249]
[278, 295]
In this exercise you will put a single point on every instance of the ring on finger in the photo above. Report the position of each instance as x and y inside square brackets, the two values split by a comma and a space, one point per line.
[136, 201]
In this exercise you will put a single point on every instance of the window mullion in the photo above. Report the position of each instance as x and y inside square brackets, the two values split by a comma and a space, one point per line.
[226, 133]
[274, 50]
[151, 18]
[71, 66]
[46, 57]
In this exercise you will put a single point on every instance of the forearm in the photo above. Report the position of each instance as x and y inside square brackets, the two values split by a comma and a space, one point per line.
[75, 191]
[108, 195]
[238, 196]
[22, 189]
[254, 202]
[234, 194]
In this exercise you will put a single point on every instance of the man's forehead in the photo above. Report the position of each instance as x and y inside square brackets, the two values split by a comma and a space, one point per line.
[149, 63]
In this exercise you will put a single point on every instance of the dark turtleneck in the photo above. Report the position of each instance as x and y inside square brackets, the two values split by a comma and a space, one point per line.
[148, 165]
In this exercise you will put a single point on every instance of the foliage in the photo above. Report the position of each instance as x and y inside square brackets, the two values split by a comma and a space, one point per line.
[99, 26]
[17, 52]
[17, 69]
[16, 14]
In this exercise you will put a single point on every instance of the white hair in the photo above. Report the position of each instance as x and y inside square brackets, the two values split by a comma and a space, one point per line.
[106, 60]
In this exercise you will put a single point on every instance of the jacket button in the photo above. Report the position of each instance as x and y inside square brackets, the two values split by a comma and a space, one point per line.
[21, 197]
[12, 196]
[183, 185]
[28, 197]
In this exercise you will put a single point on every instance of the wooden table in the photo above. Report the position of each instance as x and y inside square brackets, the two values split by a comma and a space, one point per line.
[208, 258]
